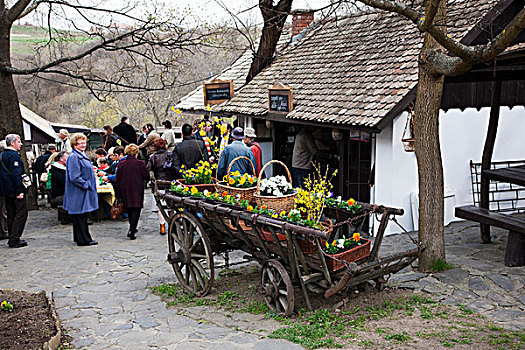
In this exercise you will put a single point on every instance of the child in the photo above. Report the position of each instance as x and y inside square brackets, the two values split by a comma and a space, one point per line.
[102, 163]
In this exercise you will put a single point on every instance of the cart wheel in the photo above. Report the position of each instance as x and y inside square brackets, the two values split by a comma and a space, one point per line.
[190, 254]
[277, 287]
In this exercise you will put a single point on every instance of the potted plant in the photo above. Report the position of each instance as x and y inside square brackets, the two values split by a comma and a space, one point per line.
[346, 249]
[200, 176]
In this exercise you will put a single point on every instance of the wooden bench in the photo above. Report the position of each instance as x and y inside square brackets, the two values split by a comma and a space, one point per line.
[515, 251]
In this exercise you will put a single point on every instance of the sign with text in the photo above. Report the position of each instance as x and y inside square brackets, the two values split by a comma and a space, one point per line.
[217, 91]
[280, 98]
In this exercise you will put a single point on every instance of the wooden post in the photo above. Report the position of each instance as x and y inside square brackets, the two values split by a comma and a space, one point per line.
[487, 155]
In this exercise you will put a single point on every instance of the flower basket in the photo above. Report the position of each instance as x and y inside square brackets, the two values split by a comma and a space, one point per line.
[307, 246]
[353, 254]
[245, 193]
[200, 187]
[278, 204]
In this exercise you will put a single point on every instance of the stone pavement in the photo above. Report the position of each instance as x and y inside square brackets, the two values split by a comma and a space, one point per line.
[480, 280]
[101, 292]
[102, 296]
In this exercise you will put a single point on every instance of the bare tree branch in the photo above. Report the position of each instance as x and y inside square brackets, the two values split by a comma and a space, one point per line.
[16, 10]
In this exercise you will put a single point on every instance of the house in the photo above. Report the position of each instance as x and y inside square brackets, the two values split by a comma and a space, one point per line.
[37, 130]
[354, 79]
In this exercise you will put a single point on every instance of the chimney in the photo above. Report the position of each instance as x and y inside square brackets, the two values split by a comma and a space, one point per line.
[300, 20]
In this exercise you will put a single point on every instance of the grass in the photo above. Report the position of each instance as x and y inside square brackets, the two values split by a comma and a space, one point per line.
[25, 39]
[369, 327]
[440, 266]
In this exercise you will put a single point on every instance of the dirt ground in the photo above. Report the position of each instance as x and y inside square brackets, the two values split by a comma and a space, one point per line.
[29, 325]
[358, 319]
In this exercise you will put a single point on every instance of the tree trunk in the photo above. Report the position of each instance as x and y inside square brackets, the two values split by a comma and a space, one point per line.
[274, 19]
[10, 115]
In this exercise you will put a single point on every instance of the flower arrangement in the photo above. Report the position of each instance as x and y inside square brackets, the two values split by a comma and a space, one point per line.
[276, 186]
[201, 174]
[6, 306]
[350, 204]
[343, 244]
[293, 215]
[311, 199]
[237, 180]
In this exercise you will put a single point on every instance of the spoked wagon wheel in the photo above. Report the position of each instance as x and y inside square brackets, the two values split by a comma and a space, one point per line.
[277, 288]
[190, 254]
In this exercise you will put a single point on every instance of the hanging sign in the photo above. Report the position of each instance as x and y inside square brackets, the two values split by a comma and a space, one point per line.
[217, 91]
[280, 98]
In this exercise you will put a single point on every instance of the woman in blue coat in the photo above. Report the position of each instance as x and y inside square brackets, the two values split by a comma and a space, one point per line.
[80, 197]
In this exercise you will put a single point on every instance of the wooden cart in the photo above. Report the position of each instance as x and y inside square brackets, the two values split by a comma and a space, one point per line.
[198, 228]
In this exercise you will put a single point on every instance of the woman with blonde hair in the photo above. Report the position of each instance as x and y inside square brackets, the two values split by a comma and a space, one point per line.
[80, 195]
[129, 186]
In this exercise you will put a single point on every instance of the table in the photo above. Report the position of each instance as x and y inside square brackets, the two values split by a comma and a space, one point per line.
[107, 192]
[514, 174]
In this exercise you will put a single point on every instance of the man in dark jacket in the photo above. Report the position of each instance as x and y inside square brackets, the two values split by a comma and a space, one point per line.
[13, 190]
[189, 152]
[125, 132]
[40, 162]
[58, 179]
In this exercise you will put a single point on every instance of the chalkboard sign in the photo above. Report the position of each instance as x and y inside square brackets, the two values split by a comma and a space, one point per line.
[279, 103]
[217, 91]
[280, 98]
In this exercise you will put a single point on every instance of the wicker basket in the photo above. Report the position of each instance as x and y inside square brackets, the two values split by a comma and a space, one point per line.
[245, 193]
[278, 204]
[200, 187]
[350, 255]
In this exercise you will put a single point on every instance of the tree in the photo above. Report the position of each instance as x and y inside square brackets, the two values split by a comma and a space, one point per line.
[440, 56]
[156, 38]
[274, 17]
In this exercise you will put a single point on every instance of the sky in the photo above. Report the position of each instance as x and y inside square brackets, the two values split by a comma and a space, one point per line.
[205, 10]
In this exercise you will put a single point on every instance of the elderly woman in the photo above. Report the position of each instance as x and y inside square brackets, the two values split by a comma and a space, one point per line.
[160, 164]
[129, 185]
[80, 195]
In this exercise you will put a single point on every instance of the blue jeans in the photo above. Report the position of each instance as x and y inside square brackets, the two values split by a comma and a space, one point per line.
[299, 175]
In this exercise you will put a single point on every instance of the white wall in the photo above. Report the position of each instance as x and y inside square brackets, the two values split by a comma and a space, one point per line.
[462, 136]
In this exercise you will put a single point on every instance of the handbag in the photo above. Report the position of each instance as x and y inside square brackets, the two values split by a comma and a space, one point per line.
[117, 210]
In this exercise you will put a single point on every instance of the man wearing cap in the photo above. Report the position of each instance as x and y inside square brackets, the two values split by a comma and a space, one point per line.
[63, 134]
[236, 149]
[249, 140]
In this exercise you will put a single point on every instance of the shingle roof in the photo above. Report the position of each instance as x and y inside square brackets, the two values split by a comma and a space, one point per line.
[351, 71]
[38, 122]
[236, 72]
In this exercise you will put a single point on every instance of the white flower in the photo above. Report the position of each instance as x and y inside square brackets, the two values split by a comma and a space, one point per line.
[205, 192]
[340, 243]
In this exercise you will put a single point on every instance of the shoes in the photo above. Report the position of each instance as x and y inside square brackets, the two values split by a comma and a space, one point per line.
[131, 234]
[87, 244]
[162, 229]
[19, 244]
[4, 237]
[89, 221]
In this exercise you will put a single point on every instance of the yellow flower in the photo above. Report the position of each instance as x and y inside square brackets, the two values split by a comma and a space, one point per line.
[231, 181]
[250, 208]
[202, 133]
[194, 190]
[356, 237]
[208, 107]
[186, 189]
[283, 213]
[4, 303]
[251, 180]
[326, 244]
[242, 180]
[351, 202]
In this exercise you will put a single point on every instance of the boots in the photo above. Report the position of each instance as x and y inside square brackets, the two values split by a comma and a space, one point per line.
[162, 229]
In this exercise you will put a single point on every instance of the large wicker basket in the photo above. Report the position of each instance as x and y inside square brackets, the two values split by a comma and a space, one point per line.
[283, 203]
[245, 193]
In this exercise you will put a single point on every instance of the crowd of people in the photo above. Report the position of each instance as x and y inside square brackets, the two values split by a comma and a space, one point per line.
[69, 174]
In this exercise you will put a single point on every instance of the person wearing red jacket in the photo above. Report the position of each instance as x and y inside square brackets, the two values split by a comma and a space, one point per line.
[249, 140]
